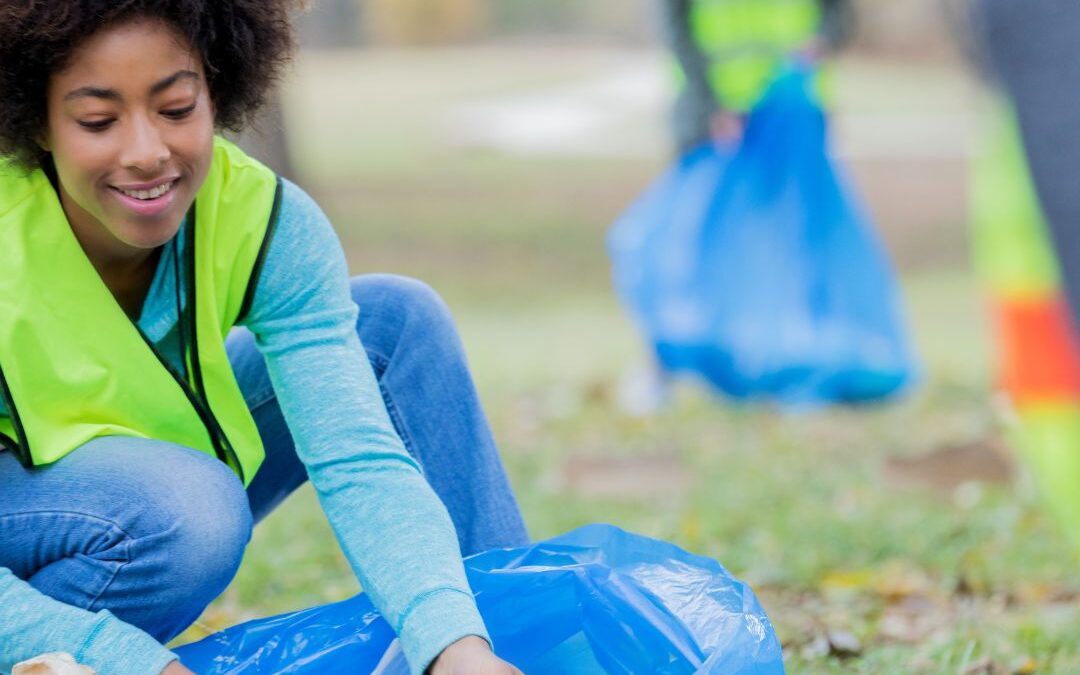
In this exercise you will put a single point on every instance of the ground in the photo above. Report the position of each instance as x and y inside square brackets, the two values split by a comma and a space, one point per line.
[900, 538]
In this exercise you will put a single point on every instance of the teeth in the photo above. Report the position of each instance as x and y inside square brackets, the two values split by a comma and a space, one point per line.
[148, 194]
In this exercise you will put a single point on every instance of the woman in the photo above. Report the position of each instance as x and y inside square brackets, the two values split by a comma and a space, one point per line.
[140, 444]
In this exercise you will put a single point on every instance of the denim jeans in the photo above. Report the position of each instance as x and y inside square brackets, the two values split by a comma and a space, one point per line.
[153, 531]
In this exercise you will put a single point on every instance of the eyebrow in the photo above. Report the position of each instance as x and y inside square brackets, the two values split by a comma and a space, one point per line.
[113, 95]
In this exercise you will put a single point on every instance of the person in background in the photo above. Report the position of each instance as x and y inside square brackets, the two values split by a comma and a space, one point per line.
[728, 52]
[1030, 50]
[1026, 213]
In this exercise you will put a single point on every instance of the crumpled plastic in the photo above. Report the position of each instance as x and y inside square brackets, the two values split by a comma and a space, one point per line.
[757, 269]
[595, 601]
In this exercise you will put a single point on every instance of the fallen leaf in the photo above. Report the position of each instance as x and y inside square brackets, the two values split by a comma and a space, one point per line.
[984, 666]
[1025, 666]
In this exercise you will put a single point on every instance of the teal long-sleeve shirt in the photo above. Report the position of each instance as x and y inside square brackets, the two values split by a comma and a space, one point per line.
[393, 529]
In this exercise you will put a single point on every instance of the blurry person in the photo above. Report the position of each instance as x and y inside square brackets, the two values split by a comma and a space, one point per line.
[1027, 231]
[729, 51]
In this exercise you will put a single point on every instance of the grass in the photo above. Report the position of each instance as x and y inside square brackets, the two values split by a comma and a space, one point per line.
[930, 579]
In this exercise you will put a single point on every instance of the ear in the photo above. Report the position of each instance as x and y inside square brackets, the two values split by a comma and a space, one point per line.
[43, 142]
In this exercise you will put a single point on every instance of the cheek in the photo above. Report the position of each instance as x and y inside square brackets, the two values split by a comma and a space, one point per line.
[80, 160]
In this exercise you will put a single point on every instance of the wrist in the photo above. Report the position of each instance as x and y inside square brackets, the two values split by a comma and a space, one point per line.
[467, 644]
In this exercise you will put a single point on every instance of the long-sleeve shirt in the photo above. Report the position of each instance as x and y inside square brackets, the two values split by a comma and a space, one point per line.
[393, 529]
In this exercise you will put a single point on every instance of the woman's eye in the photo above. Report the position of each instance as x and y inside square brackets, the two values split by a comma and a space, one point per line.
[95, 125]
[179, 113]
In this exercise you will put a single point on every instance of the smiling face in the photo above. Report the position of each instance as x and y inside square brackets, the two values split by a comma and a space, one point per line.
[130, 129]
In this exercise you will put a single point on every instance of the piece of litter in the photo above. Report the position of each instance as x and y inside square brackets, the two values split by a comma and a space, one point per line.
[843, 644]
[57, 663]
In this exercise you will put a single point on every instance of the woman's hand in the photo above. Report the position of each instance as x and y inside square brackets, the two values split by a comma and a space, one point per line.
[726, 128]
[175, 668]
[470, 655]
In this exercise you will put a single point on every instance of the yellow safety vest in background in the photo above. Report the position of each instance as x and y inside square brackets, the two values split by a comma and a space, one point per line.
[74, 367]
[746, 42]
[1038, 352]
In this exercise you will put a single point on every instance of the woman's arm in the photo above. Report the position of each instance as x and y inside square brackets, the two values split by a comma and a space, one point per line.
[32, 623]
[393, 529]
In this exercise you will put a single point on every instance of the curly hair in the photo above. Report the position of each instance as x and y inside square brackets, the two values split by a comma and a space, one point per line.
[244, 45]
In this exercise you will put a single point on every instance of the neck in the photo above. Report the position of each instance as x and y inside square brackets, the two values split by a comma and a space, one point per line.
[127, 271]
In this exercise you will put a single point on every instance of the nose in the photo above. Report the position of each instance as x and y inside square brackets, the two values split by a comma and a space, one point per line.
[144, 148]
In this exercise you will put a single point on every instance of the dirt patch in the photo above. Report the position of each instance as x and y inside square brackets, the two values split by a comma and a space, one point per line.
[948, 467]
[630, 478]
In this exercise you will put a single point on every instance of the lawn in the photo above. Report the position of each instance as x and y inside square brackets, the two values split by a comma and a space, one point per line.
[905, 526]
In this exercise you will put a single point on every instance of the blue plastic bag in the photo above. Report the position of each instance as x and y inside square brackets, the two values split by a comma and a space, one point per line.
[756, 269]
[596, 601]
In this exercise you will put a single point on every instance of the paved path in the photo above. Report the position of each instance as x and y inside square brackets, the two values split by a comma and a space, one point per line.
[622, 113]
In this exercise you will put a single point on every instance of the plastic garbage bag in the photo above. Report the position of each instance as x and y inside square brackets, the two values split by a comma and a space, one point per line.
[595, 601]
[756, 269]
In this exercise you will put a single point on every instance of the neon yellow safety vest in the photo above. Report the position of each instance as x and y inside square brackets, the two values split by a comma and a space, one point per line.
[74, 367]
[747, 41]
[1038, 350]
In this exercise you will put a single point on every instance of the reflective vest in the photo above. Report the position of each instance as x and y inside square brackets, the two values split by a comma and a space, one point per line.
[746, 42]
[1038, 353]
[74, 367]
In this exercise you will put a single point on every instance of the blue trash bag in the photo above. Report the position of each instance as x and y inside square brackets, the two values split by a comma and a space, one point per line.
[756, 269]
[595, 601]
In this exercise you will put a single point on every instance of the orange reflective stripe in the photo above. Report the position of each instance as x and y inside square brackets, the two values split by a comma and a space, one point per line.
[1040, 357]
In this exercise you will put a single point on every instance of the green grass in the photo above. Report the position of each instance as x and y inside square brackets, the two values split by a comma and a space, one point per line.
[801, 506]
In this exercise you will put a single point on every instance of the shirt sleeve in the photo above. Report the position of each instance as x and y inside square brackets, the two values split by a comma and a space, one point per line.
[396, 534]
[692, 59]
[35, 624]
[837, 22]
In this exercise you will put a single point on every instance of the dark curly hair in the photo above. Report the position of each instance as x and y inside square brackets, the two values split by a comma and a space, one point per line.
[244, 44]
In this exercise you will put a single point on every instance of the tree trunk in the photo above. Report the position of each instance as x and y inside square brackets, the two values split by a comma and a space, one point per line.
[266, 140]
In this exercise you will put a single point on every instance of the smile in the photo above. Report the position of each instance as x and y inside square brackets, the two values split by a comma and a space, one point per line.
[144, 195]
[150, 202]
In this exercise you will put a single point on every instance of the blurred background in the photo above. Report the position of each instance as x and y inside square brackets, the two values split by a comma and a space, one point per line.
[485, 146]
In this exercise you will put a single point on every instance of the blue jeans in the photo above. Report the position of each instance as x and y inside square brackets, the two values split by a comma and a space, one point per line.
[154, 531]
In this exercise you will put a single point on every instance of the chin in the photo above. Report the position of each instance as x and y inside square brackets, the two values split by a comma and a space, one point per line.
[141, 237]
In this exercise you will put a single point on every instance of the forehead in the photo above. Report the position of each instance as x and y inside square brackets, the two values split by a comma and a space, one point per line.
[127, 54]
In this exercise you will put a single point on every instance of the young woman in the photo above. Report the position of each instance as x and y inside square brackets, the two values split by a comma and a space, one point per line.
[142, 435]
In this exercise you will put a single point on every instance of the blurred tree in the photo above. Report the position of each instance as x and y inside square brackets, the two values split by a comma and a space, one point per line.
[912, 29]
[332, 24]
[426, 21]
[613, 18]
[328, 24]
[267, 140]
[529, 15]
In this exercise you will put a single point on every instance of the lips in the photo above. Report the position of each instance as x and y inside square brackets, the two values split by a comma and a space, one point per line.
[147, 199]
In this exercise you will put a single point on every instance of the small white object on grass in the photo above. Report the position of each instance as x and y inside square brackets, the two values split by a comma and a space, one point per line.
[642, 392]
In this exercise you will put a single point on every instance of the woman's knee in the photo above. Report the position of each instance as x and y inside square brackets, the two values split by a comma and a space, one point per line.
[395, 308]
[146, 529]
[185, 515]
[197, 508]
